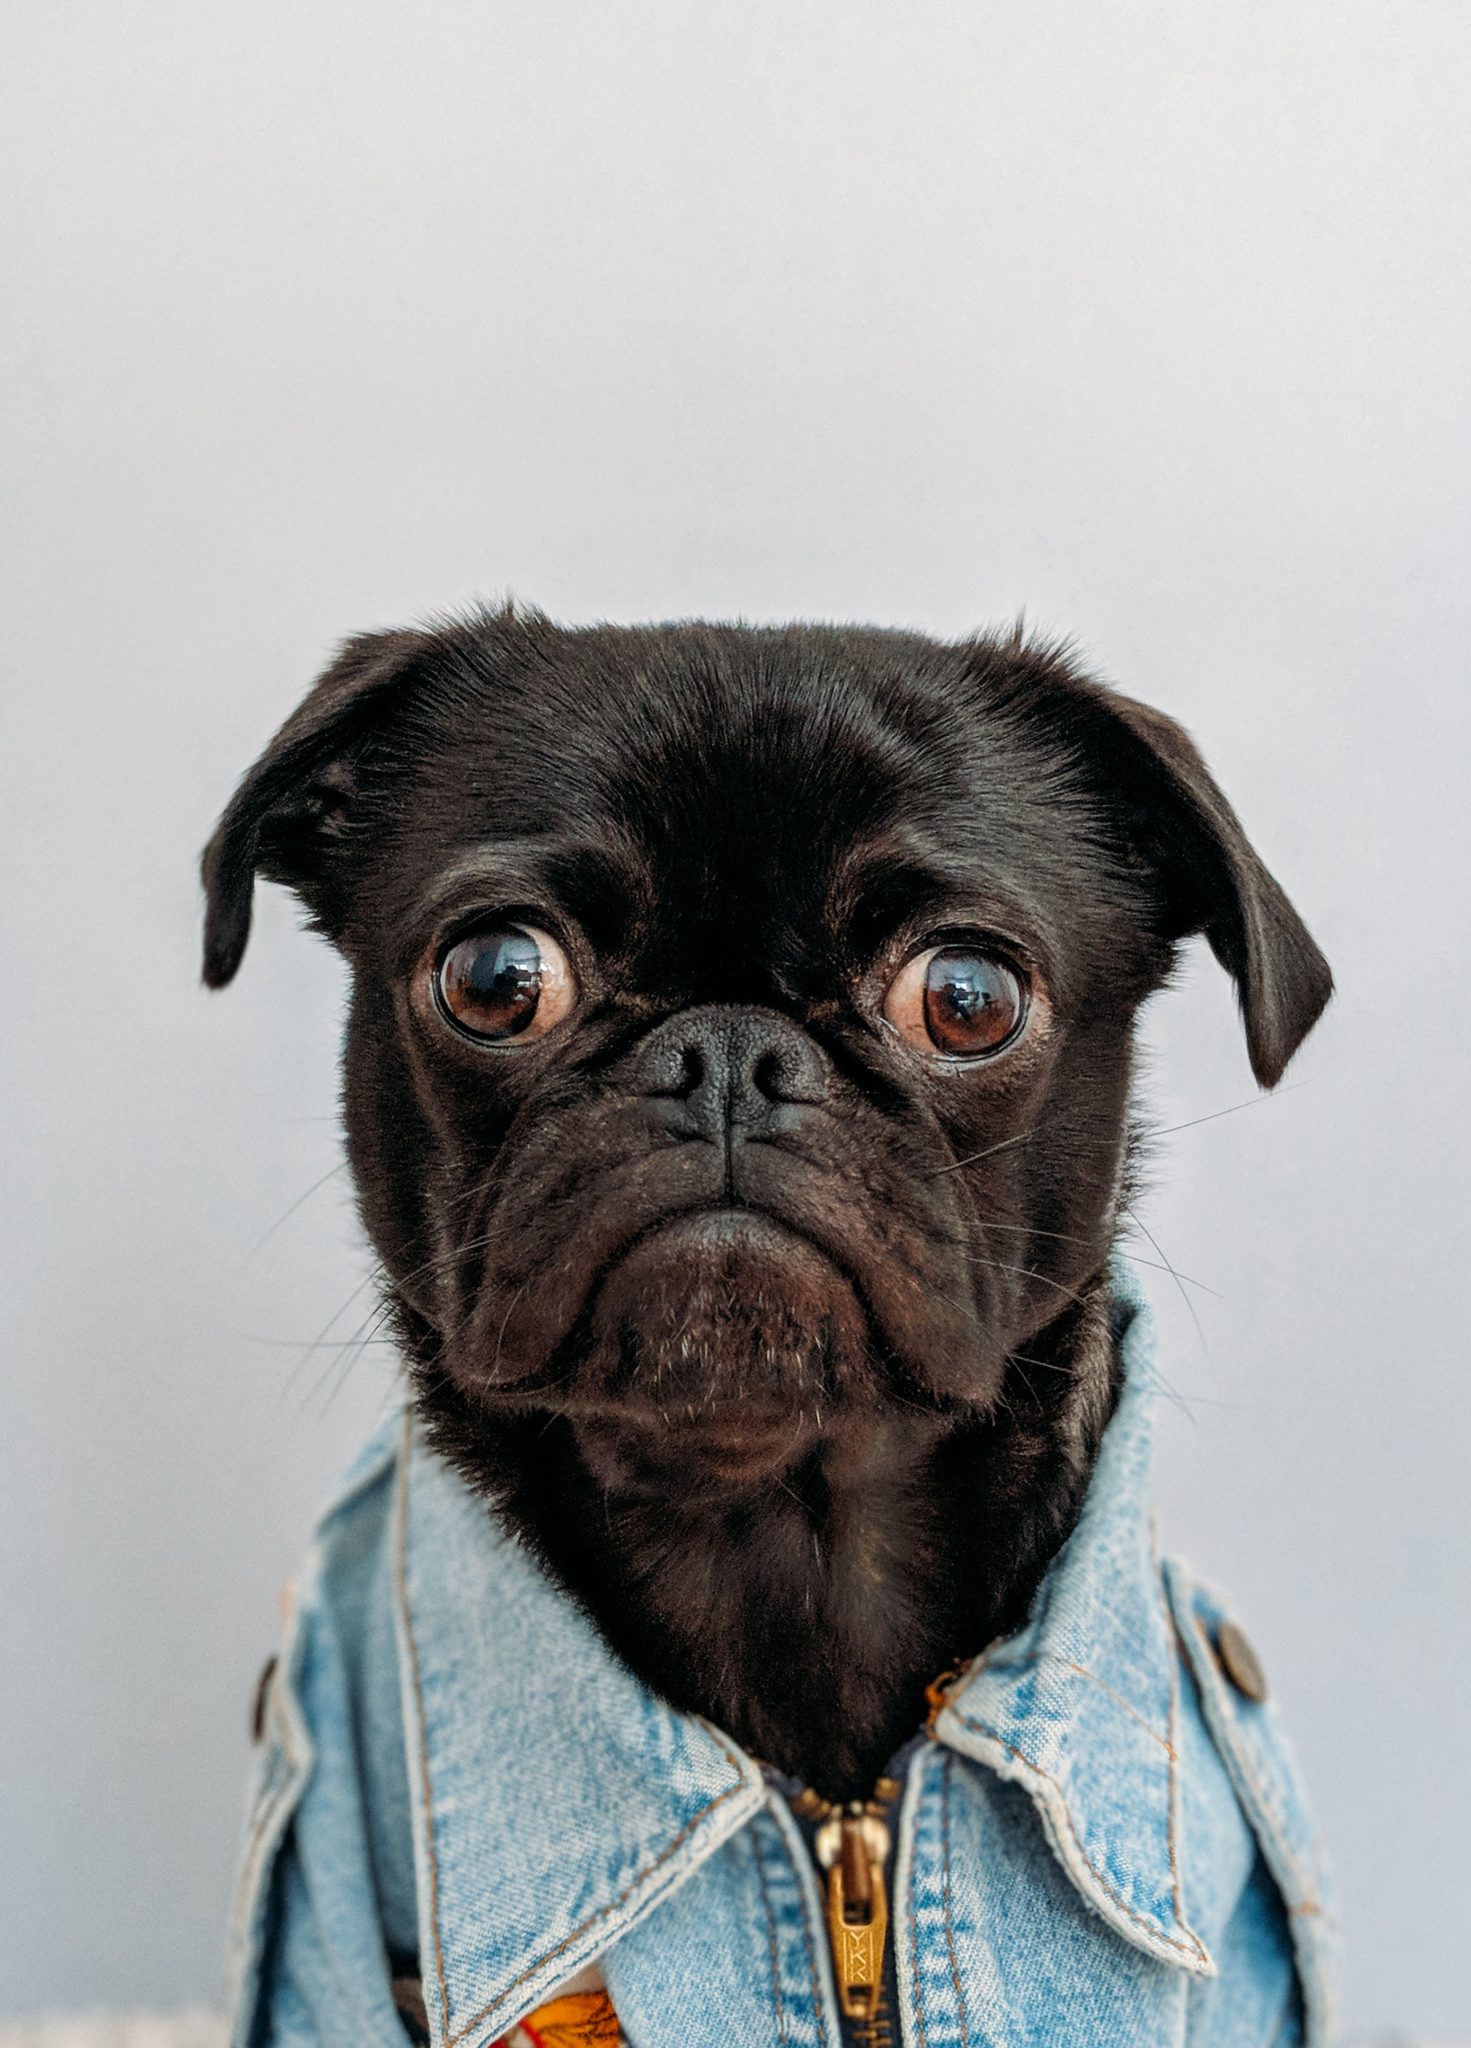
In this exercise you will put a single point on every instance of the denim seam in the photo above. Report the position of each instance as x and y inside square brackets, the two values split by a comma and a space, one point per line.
[815, 1977]
[1190, 1946]
[1165, 1742]
[275, 1779]
[819, 2003]
[1173, 1745]
[772, 1938]
[401, 1573]
[282, 1781]
[267, 1792]
[1307, 1901]
[1246, 1750]
[986, 1661]
[286, 1762]
[947, 1774]
[602, 1914]
[1245, 1770]
[273, 1782]
[913, 1932]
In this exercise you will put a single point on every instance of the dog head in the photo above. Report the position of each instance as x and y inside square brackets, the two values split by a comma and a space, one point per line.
[740, 1030]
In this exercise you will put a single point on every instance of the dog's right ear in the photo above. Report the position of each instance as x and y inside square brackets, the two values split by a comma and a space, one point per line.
[293, 810]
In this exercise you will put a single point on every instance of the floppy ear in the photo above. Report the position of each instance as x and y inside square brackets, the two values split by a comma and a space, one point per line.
[1176, 824]
[1214, 882]
[294, 807]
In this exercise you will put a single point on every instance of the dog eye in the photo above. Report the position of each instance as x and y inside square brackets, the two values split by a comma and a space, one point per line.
[505, 982]
[957, 1001]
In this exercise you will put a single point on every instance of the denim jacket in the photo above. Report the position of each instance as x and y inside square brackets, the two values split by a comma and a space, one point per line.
[1099, 1837]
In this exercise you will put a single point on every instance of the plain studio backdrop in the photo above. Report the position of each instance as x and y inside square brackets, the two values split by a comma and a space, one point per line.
[1149, 319]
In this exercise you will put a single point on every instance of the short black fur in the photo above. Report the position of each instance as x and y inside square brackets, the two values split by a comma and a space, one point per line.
[798, 1393]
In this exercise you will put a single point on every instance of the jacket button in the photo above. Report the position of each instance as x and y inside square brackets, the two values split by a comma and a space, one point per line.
[1240, 1662]
[258, 1704]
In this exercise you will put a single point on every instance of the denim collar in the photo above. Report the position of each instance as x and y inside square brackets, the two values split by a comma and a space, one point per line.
[556, 1801]
[1081, 1706]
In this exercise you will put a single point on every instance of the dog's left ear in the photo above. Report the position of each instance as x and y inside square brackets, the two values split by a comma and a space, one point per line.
[1174, 821]
[291, 816]
[1212, 880]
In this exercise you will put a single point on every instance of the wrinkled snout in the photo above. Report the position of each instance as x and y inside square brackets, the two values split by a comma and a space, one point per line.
[727, 1230]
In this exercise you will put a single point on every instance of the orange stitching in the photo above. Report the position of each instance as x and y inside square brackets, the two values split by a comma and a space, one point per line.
[987, 1657]
[771, 1937]
[819, 2004]
[577, 1932]
[913, 1929]
[1258, 1781]
[401, 1577]
[593, 1919]
[947, 1773]
[1133, 1712]
[1174, 1741]
[1191, 1946]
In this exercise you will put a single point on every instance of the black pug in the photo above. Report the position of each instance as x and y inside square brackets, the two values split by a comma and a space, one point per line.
[738, 1091]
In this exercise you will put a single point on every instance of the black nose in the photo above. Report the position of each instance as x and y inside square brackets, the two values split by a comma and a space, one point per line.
[725, 1071]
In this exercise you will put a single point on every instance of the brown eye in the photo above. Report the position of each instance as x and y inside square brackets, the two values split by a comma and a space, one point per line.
[505, 982]
[957, 1001]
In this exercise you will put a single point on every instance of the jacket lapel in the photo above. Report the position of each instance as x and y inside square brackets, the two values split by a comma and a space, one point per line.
[1081, 1706]
[555, 1800]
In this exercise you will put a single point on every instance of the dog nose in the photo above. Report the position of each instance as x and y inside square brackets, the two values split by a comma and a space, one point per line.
[724, 1071]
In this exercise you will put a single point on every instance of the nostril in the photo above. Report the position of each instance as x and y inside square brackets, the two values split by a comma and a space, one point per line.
[728, 1069]
[671, 1069]
[791, 1072]
[767, 1077]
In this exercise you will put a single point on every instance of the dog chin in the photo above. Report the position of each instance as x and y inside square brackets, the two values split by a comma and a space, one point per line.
[717, 1348]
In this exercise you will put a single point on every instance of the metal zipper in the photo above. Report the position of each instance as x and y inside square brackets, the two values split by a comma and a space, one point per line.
[852, 1843]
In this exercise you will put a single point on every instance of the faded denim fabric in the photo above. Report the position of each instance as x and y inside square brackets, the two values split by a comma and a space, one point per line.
[1099, 1840]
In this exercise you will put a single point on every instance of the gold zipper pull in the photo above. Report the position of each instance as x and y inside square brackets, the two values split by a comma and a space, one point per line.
[853, 1847]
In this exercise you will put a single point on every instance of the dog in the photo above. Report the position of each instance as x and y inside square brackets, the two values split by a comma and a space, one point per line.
[737, 1085]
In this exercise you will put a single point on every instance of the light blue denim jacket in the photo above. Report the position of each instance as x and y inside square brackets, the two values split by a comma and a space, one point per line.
[1100, 1839]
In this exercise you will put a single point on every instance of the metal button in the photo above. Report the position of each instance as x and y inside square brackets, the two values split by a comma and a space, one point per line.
[262, 1694]
[1240, 1662]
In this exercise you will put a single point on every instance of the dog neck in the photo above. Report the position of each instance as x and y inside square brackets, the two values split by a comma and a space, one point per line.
[808, 1617]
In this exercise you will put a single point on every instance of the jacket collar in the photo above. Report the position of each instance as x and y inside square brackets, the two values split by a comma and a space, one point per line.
[556, 1801]
[1081, 1706]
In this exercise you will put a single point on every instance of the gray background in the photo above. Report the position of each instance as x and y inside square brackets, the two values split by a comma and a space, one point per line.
[1151, 319]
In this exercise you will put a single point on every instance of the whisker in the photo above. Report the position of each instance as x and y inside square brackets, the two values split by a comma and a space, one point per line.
[322, 1336]
[1063, 1237]
[338, 1369]
[1177, 1277]
[1027, 1273]
[1046, 1364]
[330, 1174]
[971, 1158]
[1181, 1401]
[1103, 1144]
[1028, 1230]
[1251, 1103]
[329, 1344]
[1181, 1279]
